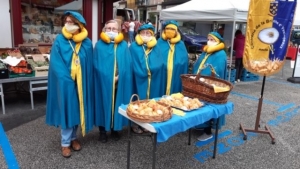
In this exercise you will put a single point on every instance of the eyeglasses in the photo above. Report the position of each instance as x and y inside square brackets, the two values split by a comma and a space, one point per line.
[111, 29]
[69, 22]
[211, 39]
[145, 33]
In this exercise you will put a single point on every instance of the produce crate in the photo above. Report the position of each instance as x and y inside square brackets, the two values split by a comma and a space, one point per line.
[45, 49]
[232, 75]
[39, 63]
[13, 75]
[30, 48]
[248, 76]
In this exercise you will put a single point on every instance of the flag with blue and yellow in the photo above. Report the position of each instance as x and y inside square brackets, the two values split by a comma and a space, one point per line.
[268, 31]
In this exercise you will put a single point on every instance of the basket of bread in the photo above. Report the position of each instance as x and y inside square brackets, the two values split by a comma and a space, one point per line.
[147, 111]
[206, 88]
[179, 101]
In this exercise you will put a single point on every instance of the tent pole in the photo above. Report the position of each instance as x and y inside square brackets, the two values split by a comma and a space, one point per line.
[231, 51]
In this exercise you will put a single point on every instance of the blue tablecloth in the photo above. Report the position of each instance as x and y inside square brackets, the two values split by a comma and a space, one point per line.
[178, 124]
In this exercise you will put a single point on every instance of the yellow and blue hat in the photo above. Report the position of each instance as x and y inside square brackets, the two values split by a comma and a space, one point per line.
[170, 24]
[77, 16]
[148, 27]
[217, 37]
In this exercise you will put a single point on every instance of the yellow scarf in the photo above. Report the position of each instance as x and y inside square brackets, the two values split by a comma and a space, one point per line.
[170, 62]
[147, 52]
[76, 72]
[114, 86]
[117, 40]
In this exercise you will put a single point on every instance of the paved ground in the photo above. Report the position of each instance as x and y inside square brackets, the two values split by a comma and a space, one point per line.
[36, 145]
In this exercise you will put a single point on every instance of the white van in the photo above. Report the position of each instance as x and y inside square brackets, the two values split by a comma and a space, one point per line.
[125, 13]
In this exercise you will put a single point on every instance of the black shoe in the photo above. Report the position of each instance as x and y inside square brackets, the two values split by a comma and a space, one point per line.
[103, 137]
[115, 135]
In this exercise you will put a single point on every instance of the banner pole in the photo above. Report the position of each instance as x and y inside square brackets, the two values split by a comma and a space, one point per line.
[257, 125]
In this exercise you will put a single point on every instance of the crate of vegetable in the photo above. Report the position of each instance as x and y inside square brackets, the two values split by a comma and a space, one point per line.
[22, 69]
[39, 63]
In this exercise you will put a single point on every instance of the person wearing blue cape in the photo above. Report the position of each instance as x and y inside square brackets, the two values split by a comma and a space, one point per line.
[69, 95]
[215, 55]
[148, 67]
[113, 80]
[175, 56]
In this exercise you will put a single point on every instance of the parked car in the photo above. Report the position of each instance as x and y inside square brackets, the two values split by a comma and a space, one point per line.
[193, 41]
[295, 37]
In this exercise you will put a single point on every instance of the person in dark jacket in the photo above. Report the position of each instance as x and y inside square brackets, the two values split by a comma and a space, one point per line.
[238, 47]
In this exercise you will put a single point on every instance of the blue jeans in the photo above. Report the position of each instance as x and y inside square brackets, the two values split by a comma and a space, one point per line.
[131, 36]
[68, 135]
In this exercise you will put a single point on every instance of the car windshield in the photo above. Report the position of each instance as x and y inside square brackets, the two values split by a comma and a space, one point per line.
[188, 31]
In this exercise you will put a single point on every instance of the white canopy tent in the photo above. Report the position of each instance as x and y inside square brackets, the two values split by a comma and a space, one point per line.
[75, 5]
[297, 16]
[210, 11]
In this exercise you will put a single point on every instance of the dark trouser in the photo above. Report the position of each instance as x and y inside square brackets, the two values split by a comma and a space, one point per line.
[207, 130]
[239, 68]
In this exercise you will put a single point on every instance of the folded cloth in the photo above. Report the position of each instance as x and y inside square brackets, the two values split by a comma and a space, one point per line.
[178, 112]
[218, 89]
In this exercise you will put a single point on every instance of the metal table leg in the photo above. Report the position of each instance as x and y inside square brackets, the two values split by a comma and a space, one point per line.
[2, 98]
[154, 150]
[216, 138]
[129, 143]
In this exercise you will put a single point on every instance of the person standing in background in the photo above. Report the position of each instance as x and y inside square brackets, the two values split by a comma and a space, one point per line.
[148, 22]
[131, 31]
[70, 86]
[238, 47]
[113, 80]
[175, 56]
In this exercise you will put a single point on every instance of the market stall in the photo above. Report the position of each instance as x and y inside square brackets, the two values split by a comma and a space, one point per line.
[28, 63]
[162, 131]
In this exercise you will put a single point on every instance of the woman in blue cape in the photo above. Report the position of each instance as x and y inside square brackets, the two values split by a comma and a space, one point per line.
[113, 80]
[69, 96]
[148, 67]
[175, 56]
[215, 55]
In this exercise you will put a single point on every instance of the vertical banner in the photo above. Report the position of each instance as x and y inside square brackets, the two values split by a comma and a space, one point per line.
[268, 31]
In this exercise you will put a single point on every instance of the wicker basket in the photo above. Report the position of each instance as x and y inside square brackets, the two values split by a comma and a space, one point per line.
[148, 118]
[194, 88]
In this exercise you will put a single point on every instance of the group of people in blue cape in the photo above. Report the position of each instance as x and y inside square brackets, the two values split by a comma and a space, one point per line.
[87, 85]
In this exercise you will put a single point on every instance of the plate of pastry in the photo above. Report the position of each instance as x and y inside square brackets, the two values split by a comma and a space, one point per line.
[181, 102]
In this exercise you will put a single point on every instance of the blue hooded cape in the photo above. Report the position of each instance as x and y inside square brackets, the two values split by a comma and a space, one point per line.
[180, 63]
[156, 66]
[219, 61]
[62, 95]
[103, 88]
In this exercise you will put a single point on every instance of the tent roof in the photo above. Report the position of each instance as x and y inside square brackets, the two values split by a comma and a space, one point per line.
[208, 10]
[75, 5]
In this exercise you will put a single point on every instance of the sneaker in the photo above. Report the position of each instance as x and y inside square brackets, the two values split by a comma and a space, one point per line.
[238, 80]
[204, 137]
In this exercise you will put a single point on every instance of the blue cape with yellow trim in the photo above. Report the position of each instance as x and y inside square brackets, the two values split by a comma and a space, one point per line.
[103, 77]
[156, 66]
[62, 95]
[180, 63]
[219, 61]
